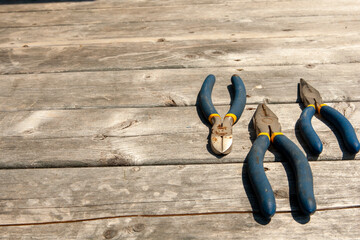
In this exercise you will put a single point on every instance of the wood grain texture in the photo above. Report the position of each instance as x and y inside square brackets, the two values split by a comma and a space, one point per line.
[91, 83]
[144, 136]
[180, 54]
[57, 195]
[186, 12]
[323, 225]
[173, 87]
[99, 4]
[179, 30]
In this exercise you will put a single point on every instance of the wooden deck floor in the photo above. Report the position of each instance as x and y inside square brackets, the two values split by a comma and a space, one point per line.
[100, 137]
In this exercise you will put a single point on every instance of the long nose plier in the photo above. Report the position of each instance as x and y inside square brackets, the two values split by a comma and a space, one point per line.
[313, 102]
[268, 130]
[221, 132]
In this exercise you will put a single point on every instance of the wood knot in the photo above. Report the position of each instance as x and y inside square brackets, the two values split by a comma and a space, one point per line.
[99, 137]
[161, 40]
[309, 65]
[218, 52]
[110, 233]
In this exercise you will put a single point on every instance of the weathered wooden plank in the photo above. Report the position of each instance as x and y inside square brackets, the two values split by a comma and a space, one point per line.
[142, 136]
[180, 54]
[57, 195]
[22, 6]
[186, 12]
[179, 87]
[335, 224]
[132, 122]
[178, 148]
[84, 34]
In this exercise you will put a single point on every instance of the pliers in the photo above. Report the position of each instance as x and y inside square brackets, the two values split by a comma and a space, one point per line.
[221, 131]
[268, 130]
[313, 102]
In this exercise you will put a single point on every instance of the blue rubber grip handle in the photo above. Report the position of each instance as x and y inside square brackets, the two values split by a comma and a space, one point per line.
[258, 179]
[205, 96]
[343, 126]
[307, 131]
[239, 101]
[303, 175]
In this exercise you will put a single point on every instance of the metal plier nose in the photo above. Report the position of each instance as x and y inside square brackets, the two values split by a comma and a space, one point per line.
[221, 132]
[268, 131]
[313, 102]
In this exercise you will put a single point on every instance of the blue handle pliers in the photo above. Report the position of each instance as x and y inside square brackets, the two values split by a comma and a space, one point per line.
[313, 102]
[221, 131]
[268, 130]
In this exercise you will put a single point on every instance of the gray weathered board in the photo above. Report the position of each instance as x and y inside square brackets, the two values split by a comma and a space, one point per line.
[326, 225]
[99, 84]
[144, 136]
[180, 54]
[58, 195]
[173, 87]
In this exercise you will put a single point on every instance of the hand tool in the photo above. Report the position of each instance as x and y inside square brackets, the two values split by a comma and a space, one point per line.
[221, 131]
[313, 101]
[268, 129]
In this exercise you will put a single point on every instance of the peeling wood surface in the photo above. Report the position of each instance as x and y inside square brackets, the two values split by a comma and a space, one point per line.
[112, 83]
[58, 195]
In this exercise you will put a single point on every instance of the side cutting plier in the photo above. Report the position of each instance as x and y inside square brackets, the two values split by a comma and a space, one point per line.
[268, 130]
[221, 131]
[313, 102]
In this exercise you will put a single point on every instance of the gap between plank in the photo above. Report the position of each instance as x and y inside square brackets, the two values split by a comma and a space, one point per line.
[174, 162]
[164, 215]
[153, 106]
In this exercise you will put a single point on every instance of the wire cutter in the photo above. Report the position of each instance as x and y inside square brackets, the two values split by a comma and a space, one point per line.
[221, 131]
[313, 101]
[268, 130]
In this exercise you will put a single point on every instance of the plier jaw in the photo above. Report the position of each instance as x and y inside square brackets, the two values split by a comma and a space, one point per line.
[309, 95]
[221, 135]
[265, 121]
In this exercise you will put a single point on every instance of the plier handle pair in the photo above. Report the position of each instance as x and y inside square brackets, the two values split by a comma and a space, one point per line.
[221, 132]
[268, 131]
[313, 102]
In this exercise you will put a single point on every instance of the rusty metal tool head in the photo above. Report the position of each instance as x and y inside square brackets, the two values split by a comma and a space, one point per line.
[309, 95]
[265, 121]
[221, 135]
[221, 138]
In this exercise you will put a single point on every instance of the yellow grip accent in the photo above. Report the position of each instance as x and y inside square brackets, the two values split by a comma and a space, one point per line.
[231, 115]
[312, 105]
[264, 133]
[213, 115]
[321, 105]
[274, 135]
